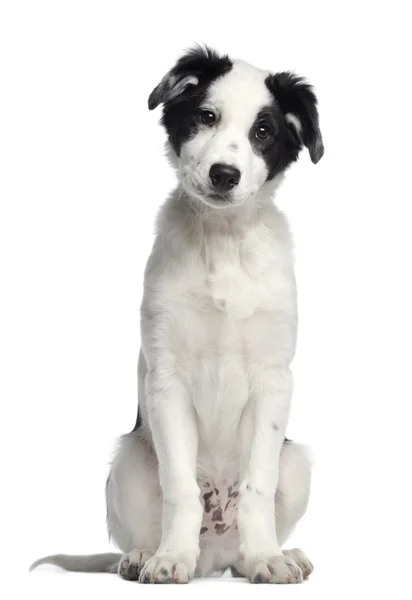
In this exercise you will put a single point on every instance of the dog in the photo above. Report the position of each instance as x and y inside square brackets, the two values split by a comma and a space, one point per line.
[207, 481]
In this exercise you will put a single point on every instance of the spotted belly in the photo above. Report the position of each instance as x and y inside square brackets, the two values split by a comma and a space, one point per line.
[219, 508]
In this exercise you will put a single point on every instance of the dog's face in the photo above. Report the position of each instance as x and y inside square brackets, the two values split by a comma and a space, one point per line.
[233, 127]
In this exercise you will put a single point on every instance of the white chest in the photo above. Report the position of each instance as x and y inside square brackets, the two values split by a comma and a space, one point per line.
[241, 300]
[248, 275]
[223, 305]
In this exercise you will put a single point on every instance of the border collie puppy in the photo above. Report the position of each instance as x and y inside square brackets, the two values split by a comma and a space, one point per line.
[207, 480]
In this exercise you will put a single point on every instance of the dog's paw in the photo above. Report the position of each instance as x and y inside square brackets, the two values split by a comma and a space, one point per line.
[301, 560]
[168, 568]
[276, 569]
[131, 564]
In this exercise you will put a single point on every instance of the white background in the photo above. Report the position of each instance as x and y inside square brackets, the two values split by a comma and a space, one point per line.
[82, 175]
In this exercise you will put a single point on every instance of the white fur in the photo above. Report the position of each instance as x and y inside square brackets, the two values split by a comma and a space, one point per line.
[218, 336]
[218, 333]
[236, 99]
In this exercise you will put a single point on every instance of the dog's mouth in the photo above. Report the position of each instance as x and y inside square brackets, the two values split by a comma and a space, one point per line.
[222, 198]
[216, 200]
[207, 195]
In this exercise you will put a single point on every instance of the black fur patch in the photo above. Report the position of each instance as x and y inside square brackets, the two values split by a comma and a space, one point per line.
[281, 148]
[292, 94]
[180, 111]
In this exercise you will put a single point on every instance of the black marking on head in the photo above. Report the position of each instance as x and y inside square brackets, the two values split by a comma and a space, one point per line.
[292, 121]
[183, 90]
[280, 148]
[296, 97]
[203, 530]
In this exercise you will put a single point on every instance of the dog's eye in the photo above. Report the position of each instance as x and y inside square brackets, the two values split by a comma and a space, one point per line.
[207, 117]
[263, 131]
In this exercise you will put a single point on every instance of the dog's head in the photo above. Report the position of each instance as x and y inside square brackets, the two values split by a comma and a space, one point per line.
[233, 127]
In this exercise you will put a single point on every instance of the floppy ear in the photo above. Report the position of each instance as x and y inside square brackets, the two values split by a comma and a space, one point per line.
[170, 87]
[298, 103]
[194, 69]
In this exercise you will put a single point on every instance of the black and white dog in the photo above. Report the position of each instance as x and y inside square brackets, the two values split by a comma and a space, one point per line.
[206, 480]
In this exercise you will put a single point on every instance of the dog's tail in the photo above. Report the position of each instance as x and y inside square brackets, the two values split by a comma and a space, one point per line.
[92, 563]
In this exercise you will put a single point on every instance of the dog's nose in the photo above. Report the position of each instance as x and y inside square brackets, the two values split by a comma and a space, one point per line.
[224, 177]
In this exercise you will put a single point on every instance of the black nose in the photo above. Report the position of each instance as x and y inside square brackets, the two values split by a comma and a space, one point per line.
[224, 177]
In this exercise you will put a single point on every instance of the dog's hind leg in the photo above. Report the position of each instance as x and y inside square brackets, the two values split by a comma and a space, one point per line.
[291, 501]
[134, 507]
[134, 504]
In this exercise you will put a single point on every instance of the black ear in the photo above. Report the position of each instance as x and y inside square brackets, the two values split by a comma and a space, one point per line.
[197, 67]
[298, 103]
[170, 87]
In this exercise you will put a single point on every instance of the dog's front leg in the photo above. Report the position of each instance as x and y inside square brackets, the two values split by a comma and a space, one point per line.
[173, 426]
[263, 429]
